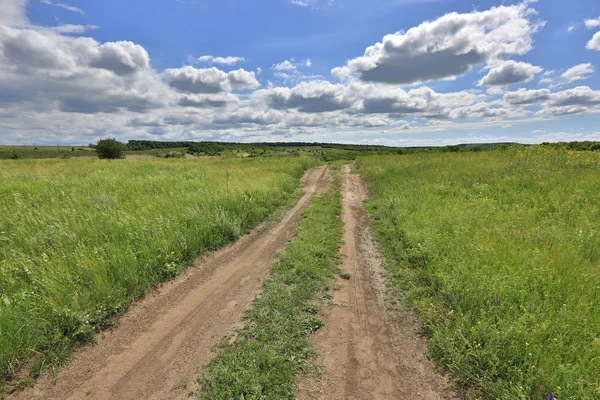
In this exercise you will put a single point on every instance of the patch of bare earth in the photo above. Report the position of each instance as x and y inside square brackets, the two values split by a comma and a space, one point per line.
[160, 344]
[363, 352]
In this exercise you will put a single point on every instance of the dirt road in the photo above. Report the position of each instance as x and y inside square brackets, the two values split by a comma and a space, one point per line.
[363, 354]
[162, 341]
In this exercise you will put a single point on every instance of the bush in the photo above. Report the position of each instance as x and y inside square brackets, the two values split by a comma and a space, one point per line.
[110, 149]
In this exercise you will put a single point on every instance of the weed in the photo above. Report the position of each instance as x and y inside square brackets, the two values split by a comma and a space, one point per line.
[344, 275]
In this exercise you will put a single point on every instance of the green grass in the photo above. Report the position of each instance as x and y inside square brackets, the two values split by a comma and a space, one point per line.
[500, 254]
[20, 152]
[274, 344]
[80, 239]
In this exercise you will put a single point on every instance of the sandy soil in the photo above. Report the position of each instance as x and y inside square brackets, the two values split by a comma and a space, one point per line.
[362, 353]
[160, 344]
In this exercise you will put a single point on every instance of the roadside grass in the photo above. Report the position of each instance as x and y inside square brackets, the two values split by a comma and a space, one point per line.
[81, 239]
[499, 252]
[262, 361]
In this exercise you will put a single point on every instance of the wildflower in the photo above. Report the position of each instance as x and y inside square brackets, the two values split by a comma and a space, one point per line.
[497, 300]
[467, 197]
[550, 395]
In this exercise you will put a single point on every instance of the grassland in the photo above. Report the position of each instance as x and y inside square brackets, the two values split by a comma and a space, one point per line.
[261, 363]
[80, 239]
[499, 252]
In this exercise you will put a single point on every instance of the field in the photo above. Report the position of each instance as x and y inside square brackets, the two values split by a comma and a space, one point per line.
[499, 252]
[79, 240]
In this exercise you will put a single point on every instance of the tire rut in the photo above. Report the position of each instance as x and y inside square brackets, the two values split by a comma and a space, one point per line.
[162, 341]
[362, 353]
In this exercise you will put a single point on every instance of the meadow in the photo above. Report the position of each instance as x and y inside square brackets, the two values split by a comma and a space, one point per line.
[81, 239]
[499, 252]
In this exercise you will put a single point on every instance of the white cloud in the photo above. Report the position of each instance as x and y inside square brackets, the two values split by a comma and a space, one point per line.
[527, 97]
[495, 90]
[570, 28]
[47, 70]
[594, 43]
[510, 72]
[578, 72]
[446, 47]
[578, 100]
[65, 6]
[57, 86]
[69, 28]
[13, 13]
[258, 71]
[285, 66]
[592, 22]
[229, 60]
[210, 80]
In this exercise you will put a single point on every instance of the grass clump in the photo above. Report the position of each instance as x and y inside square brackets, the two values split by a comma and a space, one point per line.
[80, 239]
[274, 344]
[499, 252]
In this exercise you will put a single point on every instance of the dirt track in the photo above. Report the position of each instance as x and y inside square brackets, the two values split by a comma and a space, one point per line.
[363, 354]
[160, 344]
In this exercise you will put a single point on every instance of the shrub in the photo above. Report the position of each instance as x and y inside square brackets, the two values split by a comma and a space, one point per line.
[110, 149]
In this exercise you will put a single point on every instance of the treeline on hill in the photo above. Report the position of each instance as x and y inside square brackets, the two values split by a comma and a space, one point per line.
[322, 151]
[214, 148]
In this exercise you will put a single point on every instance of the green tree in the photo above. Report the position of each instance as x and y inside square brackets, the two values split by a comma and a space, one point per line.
[110, 149]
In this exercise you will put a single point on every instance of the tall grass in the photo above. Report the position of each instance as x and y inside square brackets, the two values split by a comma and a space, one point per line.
[79, 240]
[500, 254]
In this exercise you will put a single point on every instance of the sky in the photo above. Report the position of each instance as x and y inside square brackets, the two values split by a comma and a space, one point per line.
[390, 72]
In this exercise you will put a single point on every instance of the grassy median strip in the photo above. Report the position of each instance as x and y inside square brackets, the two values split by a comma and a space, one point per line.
[274, 344]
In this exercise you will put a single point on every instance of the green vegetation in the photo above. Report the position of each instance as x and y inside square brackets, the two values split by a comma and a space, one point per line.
[274, 344]
[499, 252]
[23, 152]
[323, 151]
[80, 239]
[109, 149]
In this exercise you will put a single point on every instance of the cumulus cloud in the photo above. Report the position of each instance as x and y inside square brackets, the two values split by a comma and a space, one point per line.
[311, 97]
[13, 13]
[229, 60]
[592, 22]
[65, 6]
[75, 74]
[527, 97]
[446, 47]
[578, 100]
[210, 80]
[578, 72]
[594, 43]
[122, 58]
[510, 72]
[579, 96]
[228, 101]
[285, 66]
[57, 84]
[242, 80]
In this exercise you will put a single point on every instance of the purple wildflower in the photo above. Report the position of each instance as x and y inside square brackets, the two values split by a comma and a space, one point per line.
[497, 300]
[467, 197]
[550, 395]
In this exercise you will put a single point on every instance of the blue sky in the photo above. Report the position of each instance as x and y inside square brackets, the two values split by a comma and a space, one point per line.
[395, 72]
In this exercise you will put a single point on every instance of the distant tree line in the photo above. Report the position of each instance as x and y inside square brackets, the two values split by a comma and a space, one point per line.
[332, 150]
